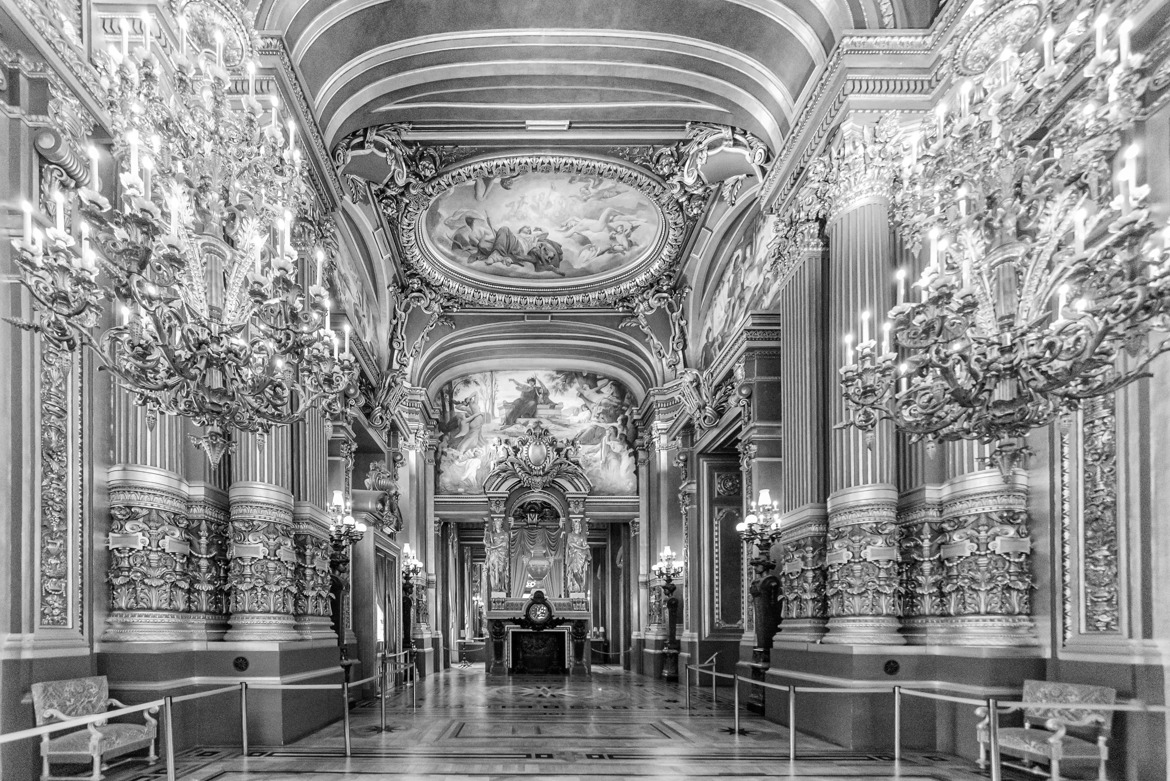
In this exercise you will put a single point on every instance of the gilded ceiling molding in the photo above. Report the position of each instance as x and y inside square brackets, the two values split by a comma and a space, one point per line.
[503, 294]
[670, 300]
[813, 125]
[407, 179]
[414, 295]
[799, 226]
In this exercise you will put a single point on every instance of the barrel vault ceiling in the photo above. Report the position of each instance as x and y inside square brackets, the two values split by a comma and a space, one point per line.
[589, 80]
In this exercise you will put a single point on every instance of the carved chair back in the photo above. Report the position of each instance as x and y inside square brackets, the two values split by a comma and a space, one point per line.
[1082, 718]
[73, 697]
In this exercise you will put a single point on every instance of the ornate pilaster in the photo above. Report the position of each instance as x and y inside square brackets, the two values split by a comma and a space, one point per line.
[207, 522]
[262, 582]
[921, 572]
[986, 559]
[150, 557]
[802, 581]
[862, 585]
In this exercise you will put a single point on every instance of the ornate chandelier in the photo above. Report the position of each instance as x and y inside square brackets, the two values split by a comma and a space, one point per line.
[1045, 267]
[343, 530]
[761, 526]
[666, 568]
[215, 320]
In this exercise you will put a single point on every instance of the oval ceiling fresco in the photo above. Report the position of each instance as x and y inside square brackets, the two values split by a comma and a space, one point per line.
[542, 231]
[543, 226]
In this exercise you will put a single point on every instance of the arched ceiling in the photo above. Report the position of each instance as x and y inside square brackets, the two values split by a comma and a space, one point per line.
[743, 63]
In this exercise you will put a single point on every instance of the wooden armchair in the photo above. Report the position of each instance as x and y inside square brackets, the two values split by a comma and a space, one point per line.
[63, 700]
[1078, 733]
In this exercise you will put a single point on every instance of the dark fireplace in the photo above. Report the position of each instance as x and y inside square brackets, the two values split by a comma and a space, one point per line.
[538, 653]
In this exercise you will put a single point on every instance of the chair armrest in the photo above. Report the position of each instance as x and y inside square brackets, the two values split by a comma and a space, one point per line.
[95, 738]
[111, 701]
[1056, 726]
[148, 717]
[982, 711]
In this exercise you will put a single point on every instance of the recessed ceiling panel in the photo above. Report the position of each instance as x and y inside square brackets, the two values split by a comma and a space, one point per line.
[542, 227]
[544, 231]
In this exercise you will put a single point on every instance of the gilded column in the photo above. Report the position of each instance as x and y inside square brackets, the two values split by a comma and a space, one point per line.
[262, 587]
[803, 482]
[862, 584]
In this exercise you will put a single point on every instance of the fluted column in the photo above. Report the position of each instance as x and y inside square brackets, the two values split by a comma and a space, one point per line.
[310, 482]
[862, 555]
[262, 587]
[803, 483]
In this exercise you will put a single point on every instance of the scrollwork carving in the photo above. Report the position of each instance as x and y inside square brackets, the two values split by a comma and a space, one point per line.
[56, 365]
[987, 563]
[862, 579]
[1100, 588]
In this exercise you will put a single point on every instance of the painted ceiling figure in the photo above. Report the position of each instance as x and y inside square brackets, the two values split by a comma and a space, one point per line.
[528, 244]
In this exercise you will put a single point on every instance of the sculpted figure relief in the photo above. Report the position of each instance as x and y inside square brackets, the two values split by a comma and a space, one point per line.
[495, 541]
[578, 556]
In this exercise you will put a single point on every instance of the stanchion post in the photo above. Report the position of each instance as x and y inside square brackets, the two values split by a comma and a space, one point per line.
[385, 694]
[345, 714]
[897, 723]
[244, 716]
[993, 738]
[714, 680]
[791, 723]
[735, 701]
[688, 695]
[169, 717]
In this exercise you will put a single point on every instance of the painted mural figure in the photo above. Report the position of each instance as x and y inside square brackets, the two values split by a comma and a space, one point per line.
[533, 393]
[528, 244]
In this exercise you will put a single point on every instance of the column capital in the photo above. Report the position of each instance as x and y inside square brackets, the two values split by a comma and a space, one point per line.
[861, 165]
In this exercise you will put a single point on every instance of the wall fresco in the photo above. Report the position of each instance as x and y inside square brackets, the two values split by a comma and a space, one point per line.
[741, 286]
[478, 410]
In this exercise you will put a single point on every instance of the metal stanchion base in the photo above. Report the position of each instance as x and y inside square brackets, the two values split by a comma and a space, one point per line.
[734, 731]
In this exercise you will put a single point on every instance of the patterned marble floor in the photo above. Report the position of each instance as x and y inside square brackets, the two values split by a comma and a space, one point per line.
[614, 725]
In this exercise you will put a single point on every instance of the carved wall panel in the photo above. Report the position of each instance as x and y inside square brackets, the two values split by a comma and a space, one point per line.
[1100, 599]
[55, 536]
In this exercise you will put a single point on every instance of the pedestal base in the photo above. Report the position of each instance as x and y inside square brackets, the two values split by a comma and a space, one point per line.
[670, 664]
[148, 626]
[864, 630]
[315, 628]
[262, 626]
[802, 630]
[992, 631]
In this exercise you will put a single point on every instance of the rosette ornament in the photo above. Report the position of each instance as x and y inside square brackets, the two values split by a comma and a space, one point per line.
[1045, 266]
[214, 316]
